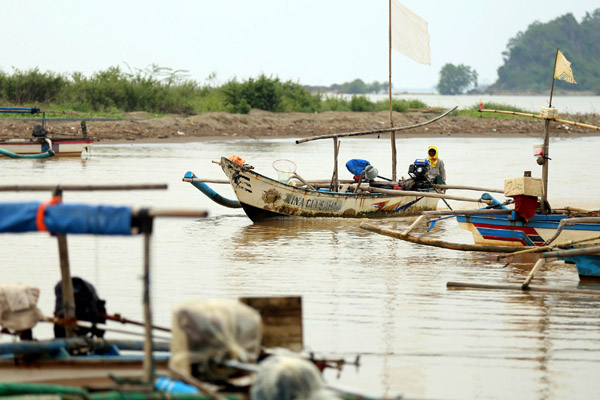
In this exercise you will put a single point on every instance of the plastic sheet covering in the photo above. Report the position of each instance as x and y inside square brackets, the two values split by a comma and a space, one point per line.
[356, 166]
[289, 378]
[18, 306]
[207, 332]
[66, 218]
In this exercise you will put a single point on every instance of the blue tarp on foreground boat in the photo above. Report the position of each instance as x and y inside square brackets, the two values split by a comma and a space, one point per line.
[66, 218]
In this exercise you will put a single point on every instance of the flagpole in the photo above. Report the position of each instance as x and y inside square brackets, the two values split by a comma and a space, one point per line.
[393, 134]
[546, 155]
[553, 72]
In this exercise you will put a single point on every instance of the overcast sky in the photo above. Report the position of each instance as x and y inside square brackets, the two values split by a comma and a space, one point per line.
[313, 42]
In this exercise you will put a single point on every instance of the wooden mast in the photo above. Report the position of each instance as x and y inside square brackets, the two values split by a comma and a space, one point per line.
[393, 134]
[546, 156]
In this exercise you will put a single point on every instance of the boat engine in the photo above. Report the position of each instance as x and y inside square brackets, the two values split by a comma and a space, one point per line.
[39, 131]
[418, 172]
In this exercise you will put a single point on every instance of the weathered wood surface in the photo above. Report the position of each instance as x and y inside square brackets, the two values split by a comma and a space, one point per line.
[282, 320]
[436, 242]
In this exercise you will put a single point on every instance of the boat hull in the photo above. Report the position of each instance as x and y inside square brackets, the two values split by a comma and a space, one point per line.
[588, 266]
[506, 230]
[265, 198]
[61, 147]
[77, 371]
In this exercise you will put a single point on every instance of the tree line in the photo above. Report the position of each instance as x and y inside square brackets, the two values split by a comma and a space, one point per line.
[165, 91]
[528, 61]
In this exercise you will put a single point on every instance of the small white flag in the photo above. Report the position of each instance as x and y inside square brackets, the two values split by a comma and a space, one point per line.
[410, 34]
[562, 71]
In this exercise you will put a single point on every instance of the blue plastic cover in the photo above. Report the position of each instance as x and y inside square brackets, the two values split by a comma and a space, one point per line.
[66, 218]
[356, 166]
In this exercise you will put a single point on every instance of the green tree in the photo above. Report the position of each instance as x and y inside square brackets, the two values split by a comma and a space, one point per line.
[455, 79]
[529, 56]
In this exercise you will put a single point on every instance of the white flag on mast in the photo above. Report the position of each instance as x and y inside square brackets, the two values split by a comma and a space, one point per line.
[410, 34]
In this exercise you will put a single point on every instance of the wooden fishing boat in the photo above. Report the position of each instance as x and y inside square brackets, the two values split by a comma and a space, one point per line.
[43, 144]
[263, 198]
[510, 230]
[64, 147]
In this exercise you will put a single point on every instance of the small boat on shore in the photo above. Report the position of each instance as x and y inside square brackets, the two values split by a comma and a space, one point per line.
[63, 147]
[44, 144]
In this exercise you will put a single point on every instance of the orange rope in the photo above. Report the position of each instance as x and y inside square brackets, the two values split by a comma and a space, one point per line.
[39, 219]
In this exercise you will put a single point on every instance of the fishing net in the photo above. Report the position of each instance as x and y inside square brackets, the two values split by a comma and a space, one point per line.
[285, 169]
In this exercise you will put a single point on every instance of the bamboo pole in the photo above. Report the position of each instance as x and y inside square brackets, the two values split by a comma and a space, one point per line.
[33, 188]
[546, 158]
[393, 134]
[459, 187]
[371, 132]
[570, 222]
[540, 249]
[482, 211]
[561, 121]
[412, 226]
[334, 180]
[435, 242]
[148, 359]
[68, 297]
[539, 264]
[465, 285]
[426, 194]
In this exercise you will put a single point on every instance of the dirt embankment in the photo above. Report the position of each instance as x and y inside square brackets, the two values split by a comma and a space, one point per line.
[262, 124]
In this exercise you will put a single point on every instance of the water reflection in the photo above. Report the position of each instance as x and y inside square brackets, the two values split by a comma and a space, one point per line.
[362, 293]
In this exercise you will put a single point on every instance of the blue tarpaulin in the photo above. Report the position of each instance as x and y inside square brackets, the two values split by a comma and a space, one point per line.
[66, 218]
[356, 166]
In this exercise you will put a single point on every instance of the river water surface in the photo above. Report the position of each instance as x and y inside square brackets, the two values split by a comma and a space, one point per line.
[362, 293]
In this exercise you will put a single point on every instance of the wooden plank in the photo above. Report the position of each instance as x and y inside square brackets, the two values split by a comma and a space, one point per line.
[282, 320]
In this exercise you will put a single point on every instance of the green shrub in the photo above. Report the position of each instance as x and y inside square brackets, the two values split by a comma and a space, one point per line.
[361, 104]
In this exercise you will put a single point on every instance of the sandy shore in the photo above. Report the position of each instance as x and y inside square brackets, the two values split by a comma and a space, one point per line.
[261, 124]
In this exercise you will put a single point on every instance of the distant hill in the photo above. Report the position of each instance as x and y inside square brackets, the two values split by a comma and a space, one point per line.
[529, 57]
